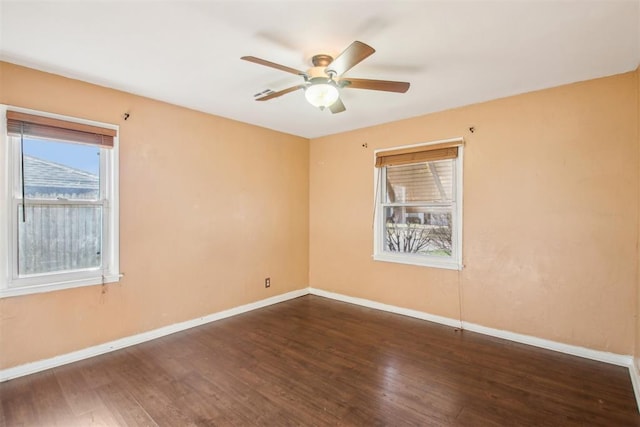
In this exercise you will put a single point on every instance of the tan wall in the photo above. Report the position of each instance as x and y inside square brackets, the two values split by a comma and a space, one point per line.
[550, 215]
[209, 207]
[637, 332]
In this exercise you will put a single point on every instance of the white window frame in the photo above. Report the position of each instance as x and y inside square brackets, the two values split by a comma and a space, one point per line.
[451, 263]
[10, 283]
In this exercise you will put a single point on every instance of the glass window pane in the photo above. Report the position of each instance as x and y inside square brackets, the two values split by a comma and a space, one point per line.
[54, 170]
[420, 182]
[58, 238]
[422, 230]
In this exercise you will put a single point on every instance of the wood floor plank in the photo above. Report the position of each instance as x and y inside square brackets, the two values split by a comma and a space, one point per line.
[50, 405]
[80, 398]
[3, 422]
[316, 362]
[124, 406]
[97, 417]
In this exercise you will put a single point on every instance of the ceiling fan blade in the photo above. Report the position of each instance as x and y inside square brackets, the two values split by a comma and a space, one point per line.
[351, 56]
[337, 107]
[280, 93]
[273, 65]
[385, 85]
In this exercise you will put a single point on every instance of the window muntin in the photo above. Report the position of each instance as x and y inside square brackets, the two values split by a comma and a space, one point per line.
[418, 210]
[69, 236]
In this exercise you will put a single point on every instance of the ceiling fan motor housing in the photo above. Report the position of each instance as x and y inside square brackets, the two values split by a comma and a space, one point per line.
[320, 63]
[321, 60]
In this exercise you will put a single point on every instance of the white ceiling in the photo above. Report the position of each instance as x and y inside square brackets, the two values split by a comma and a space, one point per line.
[454, 53]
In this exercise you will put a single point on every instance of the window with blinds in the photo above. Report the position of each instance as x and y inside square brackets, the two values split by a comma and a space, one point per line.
[63, 216]
[418, 209]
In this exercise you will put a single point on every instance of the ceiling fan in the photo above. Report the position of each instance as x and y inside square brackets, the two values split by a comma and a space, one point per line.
[323, 81]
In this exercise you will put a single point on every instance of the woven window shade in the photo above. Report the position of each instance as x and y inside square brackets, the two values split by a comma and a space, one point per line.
[34, 126]
[425, 153]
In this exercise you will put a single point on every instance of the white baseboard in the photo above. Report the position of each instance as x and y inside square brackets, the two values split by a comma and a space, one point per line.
[41, 365]
[386, 307]
[635, 381]
[587, 353]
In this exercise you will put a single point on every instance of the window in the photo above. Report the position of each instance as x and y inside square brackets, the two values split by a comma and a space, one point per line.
[61, 221]
[419, 205]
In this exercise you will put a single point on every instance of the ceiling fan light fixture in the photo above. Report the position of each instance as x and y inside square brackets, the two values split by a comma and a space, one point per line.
[322, 94]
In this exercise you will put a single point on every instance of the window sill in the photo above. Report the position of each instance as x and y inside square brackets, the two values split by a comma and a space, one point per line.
[419, 261]
[18, 290]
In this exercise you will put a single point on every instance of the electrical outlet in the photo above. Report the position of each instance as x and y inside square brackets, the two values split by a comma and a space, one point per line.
[267, 282]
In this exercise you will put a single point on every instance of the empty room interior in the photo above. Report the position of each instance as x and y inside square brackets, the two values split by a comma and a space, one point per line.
[319, 213]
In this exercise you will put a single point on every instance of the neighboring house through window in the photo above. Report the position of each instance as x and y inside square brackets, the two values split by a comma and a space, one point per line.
[61, 225]
[419, 205]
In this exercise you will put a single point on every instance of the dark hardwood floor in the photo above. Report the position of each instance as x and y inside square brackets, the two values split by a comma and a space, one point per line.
[313, 361]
